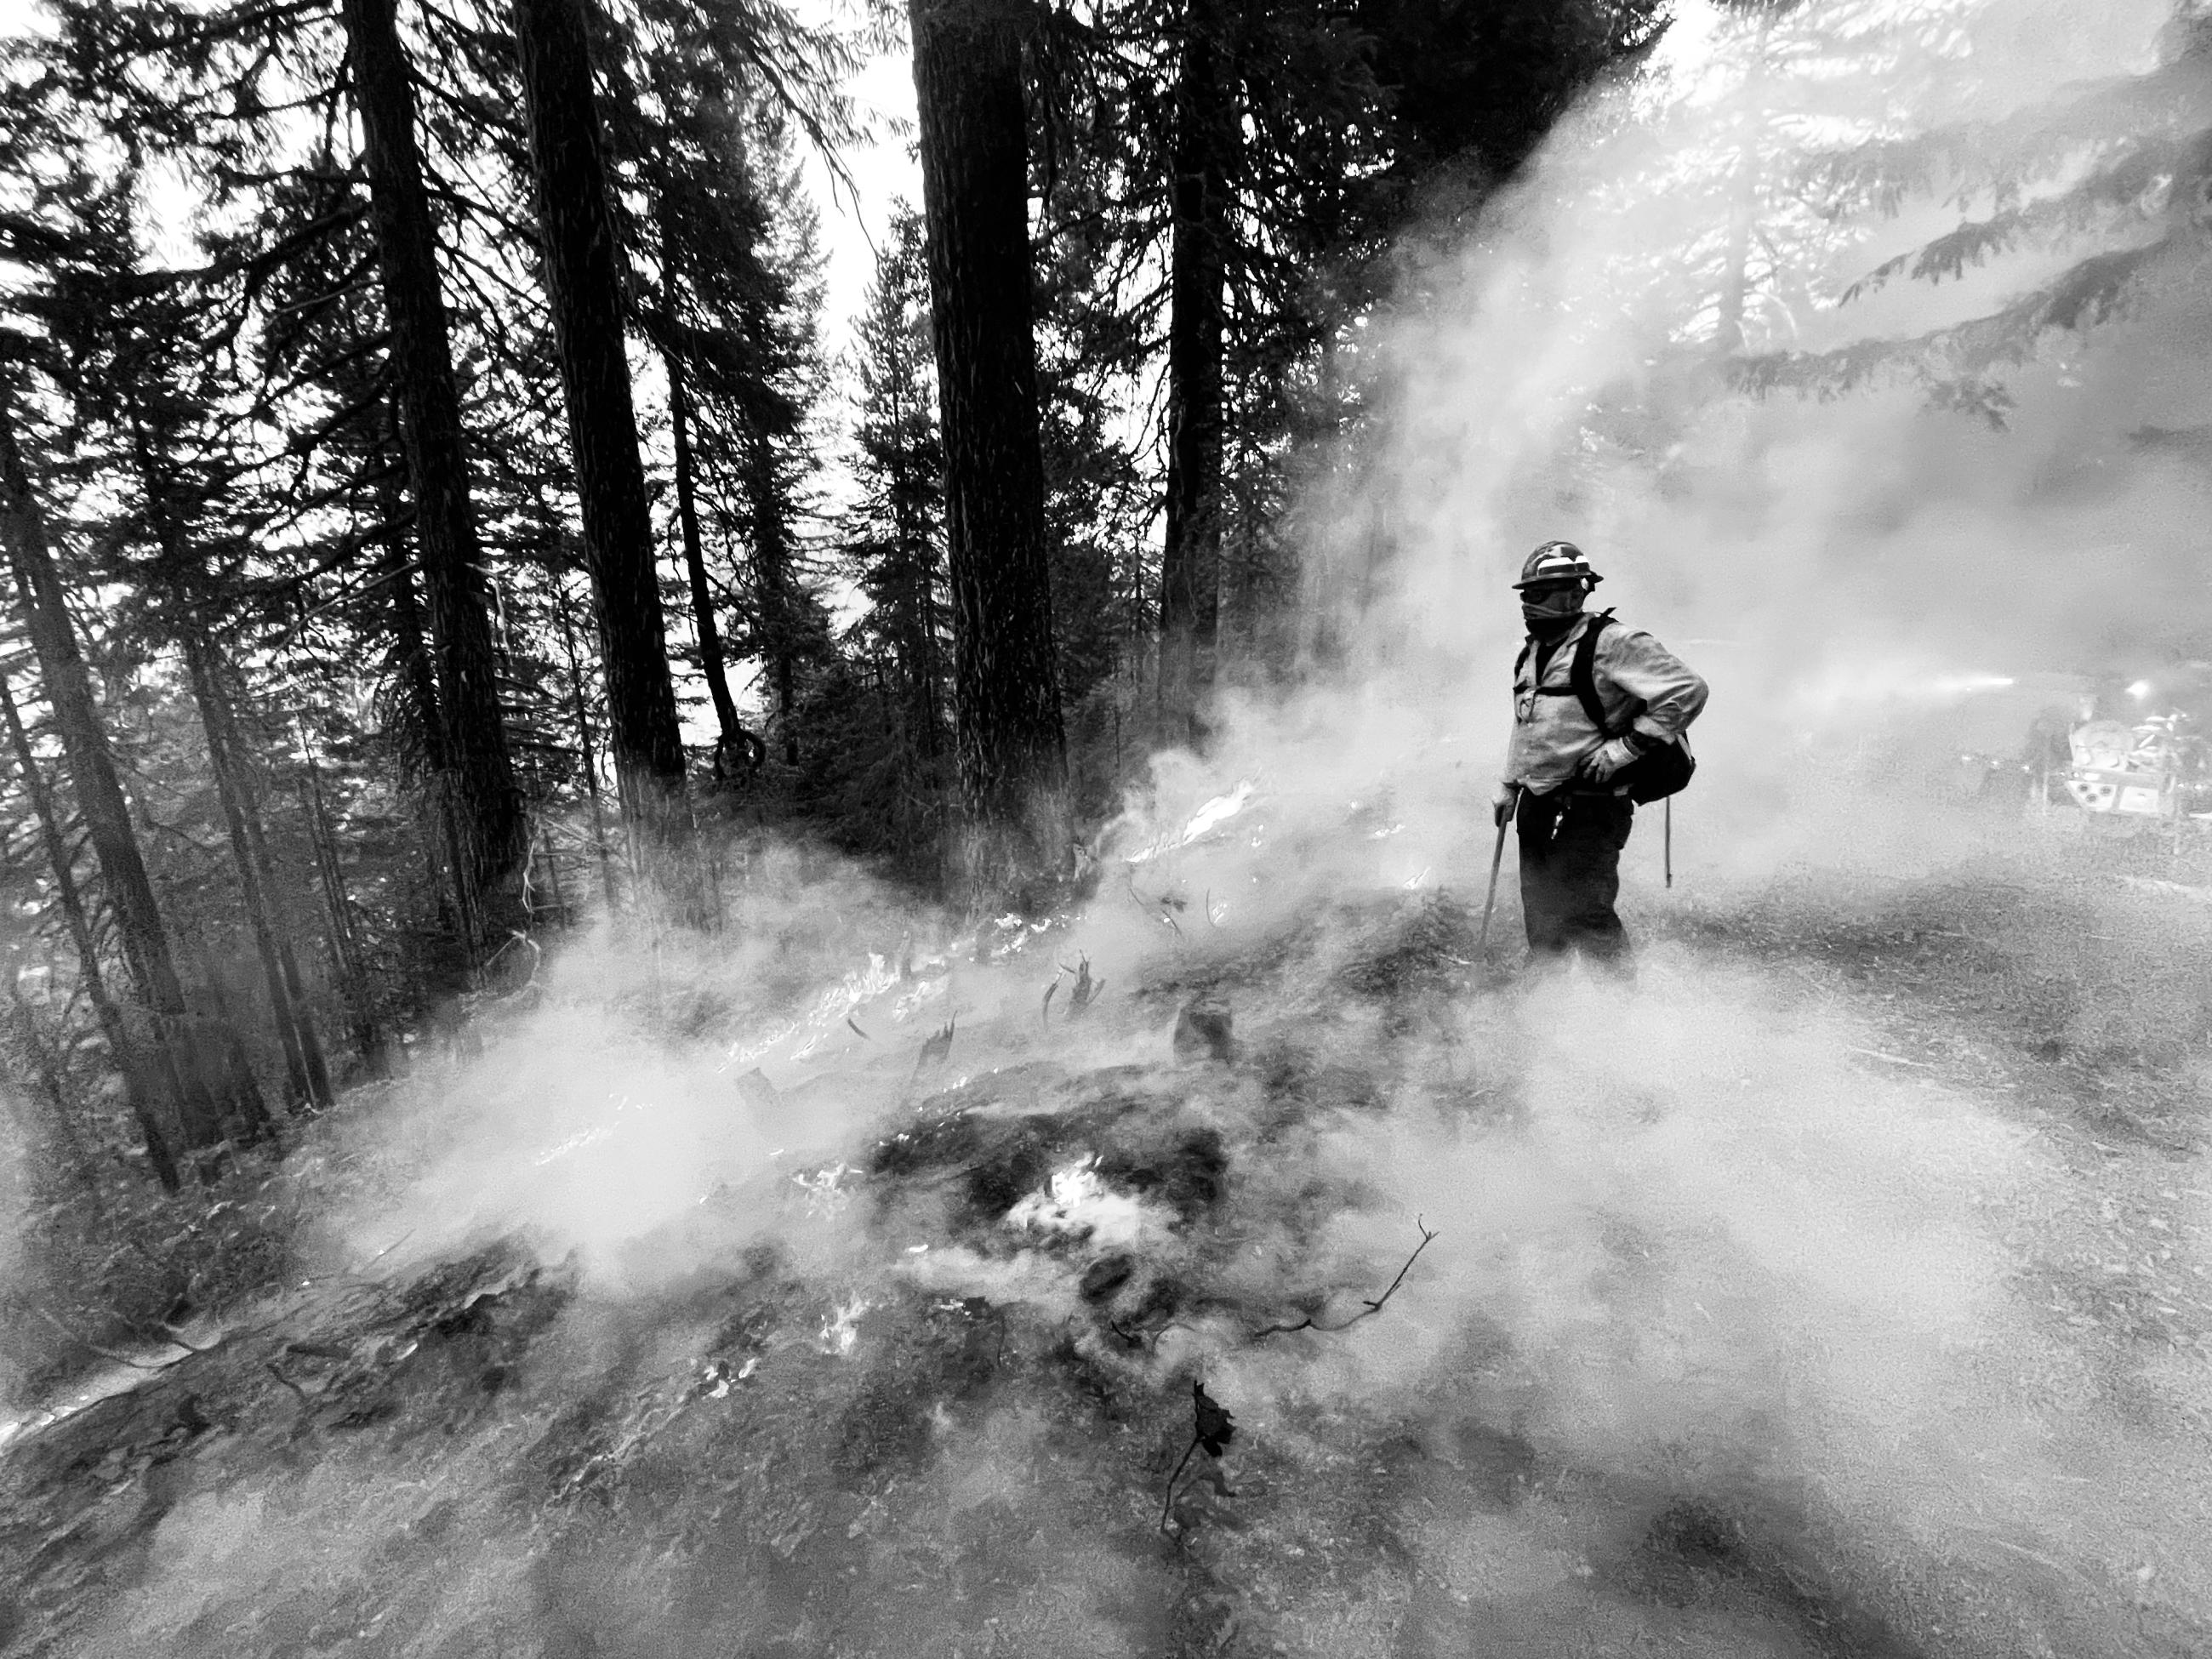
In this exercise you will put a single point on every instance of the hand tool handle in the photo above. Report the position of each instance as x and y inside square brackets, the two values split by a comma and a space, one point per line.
[1497, 858]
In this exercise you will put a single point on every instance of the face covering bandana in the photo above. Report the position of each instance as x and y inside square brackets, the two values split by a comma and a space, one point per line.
[1551, 610]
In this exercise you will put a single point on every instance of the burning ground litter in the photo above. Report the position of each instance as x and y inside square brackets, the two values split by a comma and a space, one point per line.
[1732, 1333]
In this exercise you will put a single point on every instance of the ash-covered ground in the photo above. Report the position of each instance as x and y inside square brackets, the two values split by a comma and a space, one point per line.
[1841, 1289]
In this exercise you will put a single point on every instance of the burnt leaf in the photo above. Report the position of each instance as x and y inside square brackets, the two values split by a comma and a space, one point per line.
[1215, 1427]
[935, 1051]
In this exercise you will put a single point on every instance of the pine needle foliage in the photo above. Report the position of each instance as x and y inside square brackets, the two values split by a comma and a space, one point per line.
[2118, 173]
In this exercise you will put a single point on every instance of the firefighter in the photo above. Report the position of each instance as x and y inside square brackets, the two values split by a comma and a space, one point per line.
[1566, 774]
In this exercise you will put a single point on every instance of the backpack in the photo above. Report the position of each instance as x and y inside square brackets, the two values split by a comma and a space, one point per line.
[1656, 774]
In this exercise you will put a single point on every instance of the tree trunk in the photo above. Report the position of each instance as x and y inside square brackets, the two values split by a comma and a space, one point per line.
[308, 1080]
[735, 748]
[553, 879]
[303, 1066]
[445, 840]
[974, 142]
[737, 752]
[38, 1057]
[587, 759]
[488, 805]
[1190, 558]
[779, 610]
[242, 1086]
[918, 646]
[129, 1062]
[368, 1038]
[918, 616]
[583, 282]
[288, 960]
[139, 926]
[925, 656]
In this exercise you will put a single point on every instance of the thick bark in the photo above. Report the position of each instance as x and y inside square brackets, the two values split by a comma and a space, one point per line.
[130, 1063]
[1190, 559]
[488, 805]
[583, 282]
[305, 1068]
[144, 936]
[417, 665]
[973, 142]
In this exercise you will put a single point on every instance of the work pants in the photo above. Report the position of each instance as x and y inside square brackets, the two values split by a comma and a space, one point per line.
[1570, 846]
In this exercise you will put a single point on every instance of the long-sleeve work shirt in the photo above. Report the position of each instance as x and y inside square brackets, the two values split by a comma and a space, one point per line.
[1640, 684]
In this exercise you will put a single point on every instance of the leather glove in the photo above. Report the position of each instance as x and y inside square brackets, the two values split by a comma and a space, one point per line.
[1502, 800]
[1609, 756]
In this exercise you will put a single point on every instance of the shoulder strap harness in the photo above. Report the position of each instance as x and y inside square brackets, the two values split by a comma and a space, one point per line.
[1582, 672]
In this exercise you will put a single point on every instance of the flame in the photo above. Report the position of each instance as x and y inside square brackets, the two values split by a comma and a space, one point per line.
[1077, 1202]
[1212, 815]
[840, 1331]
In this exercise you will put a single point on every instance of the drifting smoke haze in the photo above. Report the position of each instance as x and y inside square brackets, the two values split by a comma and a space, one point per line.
[1689, 1240]
[1843, 557]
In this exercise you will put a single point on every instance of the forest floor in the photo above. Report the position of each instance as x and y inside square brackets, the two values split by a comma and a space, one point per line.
[1843, 1288]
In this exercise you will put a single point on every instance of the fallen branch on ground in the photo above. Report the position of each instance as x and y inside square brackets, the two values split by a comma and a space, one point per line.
[91, 1347]
[163, 1334]
[1309, 1323]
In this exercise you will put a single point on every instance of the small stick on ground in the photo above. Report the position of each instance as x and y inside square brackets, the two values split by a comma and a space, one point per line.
[91, 1347]
[1167, 1503]
[1367, 1308]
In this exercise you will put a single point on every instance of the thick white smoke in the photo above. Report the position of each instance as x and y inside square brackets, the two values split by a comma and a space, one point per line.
[1831, 563]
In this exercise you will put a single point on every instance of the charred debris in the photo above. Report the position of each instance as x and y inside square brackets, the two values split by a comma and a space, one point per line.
[750, 1392]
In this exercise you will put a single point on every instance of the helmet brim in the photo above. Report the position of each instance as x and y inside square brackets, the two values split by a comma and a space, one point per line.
[1557, 577]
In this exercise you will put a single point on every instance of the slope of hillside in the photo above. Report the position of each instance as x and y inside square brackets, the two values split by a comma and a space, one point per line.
[1840, 1291]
